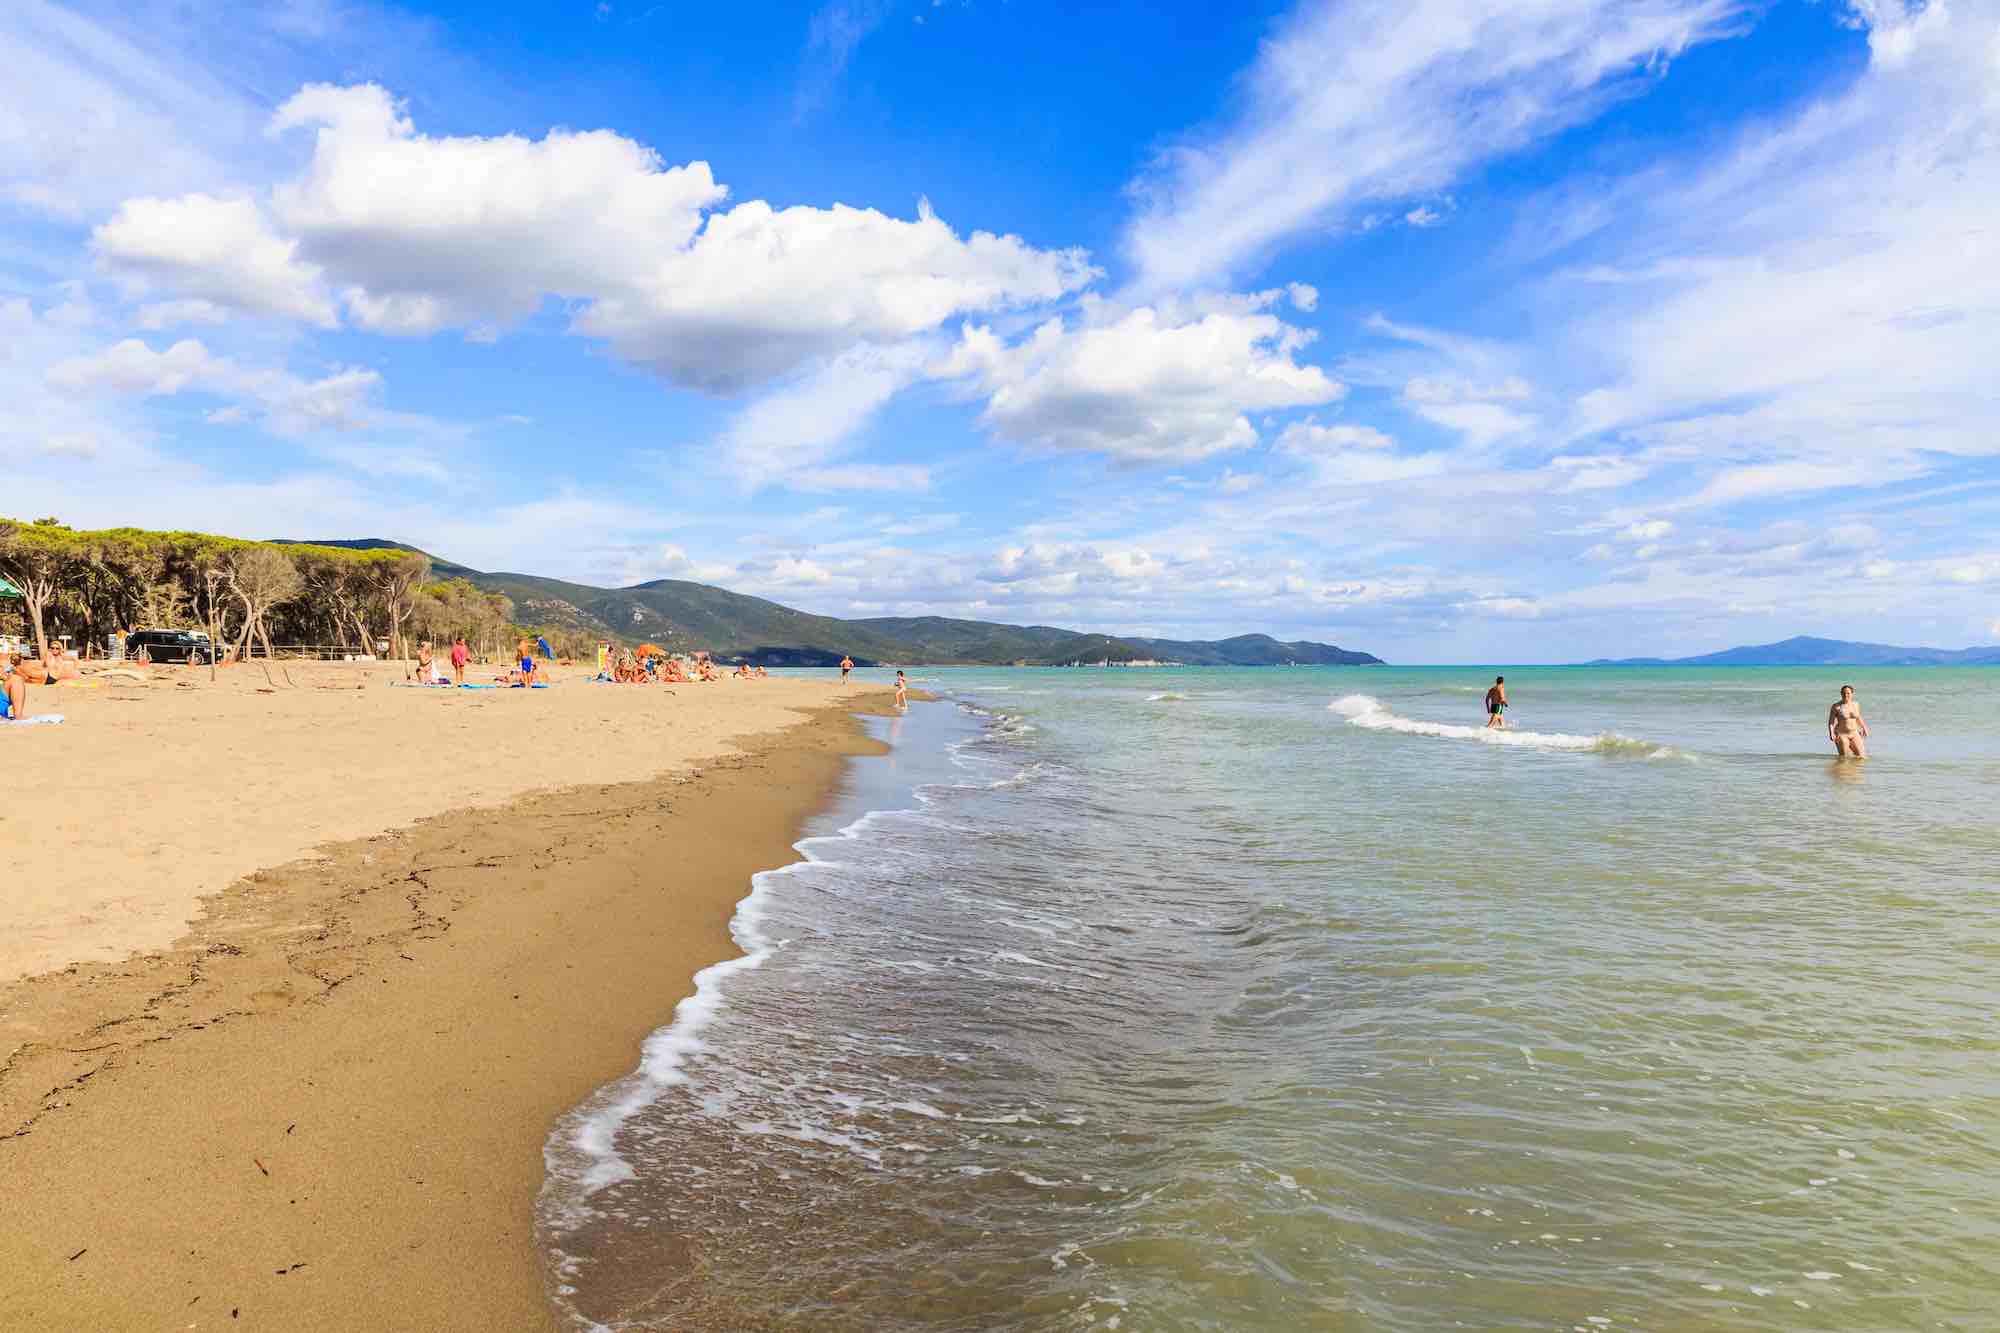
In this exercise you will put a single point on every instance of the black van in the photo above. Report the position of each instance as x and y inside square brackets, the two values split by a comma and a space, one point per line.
[169, 645]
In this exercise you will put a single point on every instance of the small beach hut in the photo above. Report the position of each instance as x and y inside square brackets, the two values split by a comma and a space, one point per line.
[8, 590]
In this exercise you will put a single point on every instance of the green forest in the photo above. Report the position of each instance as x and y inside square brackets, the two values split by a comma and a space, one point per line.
[249, 597]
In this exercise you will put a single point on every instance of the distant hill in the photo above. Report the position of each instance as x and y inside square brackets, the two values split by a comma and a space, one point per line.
[1252, 650]
[1806, 651]
[736, 627]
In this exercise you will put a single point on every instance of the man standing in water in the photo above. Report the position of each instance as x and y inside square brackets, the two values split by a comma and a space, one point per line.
[1846, 728]
[1496, 704]
[846, 665]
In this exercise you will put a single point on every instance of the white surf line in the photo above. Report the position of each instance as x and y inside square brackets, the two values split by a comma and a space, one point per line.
[1371, 714]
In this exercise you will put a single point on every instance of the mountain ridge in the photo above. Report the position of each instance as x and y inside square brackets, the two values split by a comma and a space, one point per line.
[738, 627]
[1806, 650]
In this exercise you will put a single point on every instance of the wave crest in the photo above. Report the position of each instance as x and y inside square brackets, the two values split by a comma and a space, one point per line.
[1370, 713]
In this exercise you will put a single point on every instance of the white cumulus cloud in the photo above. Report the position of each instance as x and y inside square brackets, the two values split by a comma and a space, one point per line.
[762, 290]
[1137, 385]
[218, 251]
[422, 233]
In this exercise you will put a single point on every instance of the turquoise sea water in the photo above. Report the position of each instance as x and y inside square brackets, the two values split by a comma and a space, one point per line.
[1287, 998]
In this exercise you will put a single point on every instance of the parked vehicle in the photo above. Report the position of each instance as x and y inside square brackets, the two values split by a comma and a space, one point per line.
[169, 645]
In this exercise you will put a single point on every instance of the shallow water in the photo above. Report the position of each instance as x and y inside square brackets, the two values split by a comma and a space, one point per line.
[1203, 999]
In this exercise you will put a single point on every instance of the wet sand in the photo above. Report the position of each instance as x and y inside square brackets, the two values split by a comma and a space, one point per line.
[323, 1107]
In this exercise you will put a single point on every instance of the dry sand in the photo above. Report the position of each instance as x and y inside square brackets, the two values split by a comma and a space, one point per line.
[151, 795]
[323, 1106]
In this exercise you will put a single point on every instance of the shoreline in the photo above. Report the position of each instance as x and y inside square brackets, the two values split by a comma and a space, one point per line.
[325, 1106]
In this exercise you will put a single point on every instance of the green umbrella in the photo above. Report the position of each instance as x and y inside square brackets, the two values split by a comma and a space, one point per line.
[8, 590]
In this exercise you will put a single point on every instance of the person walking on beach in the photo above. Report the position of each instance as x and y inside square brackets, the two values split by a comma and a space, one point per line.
[1496, 704]
[460, 655]
[902, 691]
[1846, 728]
[846, 665]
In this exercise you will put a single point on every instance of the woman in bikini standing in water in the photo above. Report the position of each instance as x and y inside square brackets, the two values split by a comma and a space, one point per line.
[1845, 727]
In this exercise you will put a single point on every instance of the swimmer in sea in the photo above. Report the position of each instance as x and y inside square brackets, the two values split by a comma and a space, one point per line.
[1846, 728]
[1496, 704]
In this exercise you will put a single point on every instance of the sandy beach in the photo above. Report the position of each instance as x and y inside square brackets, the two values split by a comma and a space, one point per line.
[282, 1033]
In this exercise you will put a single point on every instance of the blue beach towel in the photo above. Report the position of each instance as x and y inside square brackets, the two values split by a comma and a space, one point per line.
[478, 687]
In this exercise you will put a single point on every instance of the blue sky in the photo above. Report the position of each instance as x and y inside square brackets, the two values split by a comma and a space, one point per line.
[1448, 329]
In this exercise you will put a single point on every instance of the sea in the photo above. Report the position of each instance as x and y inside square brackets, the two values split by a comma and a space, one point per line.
[1291, 998]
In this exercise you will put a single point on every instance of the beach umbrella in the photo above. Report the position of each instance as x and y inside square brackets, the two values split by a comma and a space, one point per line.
[8, 590]
[650, 650]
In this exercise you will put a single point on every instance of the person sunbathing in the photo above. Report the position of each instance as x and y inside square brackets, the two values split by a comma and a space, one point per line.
[14, 690]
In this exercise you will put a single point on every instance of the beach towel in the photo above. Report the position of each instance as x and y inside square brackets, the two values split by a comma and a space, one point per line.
[38, 720]
[547, 652]
[470, 686]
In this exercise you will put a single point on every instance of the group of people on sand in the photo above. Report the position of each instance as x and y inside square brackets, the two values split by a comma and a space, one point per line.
[460, 657]
[626, 668]
[633, 668]
[1845, 726]
[18, 671]
[521, 673]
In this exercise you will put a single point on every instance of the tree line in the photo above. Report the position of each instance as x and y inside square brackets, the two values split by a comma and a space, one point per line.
[246, 595]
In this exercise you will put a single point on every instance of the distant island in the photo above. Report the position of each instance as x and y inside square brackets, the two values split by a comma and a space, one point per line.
[1806, 651]
[739, 628]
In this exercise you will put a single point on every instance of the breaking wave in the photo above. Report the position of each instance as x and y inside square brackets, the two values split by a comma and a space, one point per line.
[1366, 711]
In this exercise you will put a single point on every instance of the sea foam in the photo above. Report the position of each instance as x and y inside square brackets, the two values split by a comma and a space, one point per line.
[1370, 713]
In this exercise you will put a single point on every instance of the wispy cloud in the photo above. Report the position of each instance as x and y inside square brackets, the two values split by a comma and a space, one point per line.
[834, 33]
[1355, 103]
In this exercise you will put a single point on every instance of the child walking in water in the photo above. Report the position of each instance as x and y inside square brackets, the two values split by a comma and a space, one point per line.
[1846, 728]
